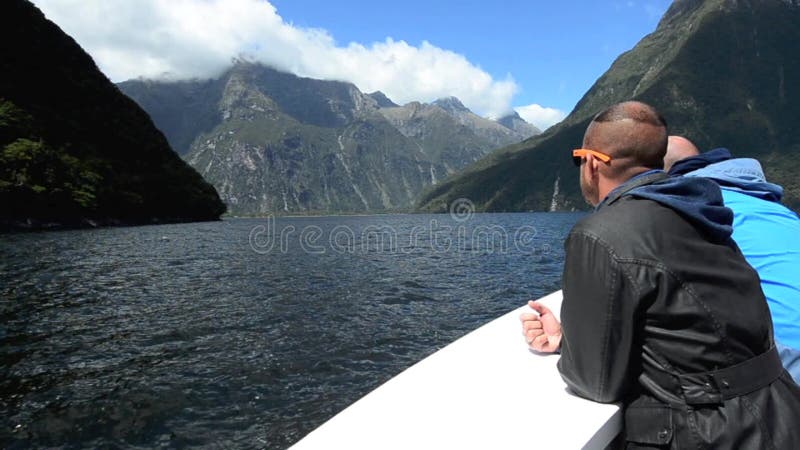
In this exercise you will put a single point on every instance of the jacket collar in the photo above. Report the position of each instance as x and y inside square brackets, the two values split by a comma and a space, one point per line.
[642, 179]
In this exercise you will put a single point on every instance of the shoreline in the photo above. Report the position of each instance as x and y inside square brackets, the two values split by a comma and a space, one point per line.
[393, 213]
[24, 225]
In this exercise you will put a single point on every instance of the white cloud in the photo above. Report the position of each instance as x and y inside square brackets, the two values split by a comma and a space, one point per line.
[198, 38]
[540, 116]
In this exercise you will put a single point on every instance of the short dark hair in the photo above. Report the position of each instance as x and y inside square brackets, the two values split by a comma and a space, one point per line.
[633, 133]
[620, 111]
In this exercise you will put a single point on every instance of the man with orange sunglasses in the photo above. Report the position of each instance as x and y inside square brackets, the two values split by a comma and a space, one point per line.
[661, 312]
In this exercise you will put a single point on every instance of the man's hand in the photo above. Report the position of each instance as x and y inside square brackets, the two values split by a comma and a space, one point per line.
[542, 330]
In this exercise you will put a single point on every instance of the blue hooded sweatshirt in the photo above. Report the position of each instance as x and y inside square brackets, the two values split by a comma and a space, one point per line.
[767, 233]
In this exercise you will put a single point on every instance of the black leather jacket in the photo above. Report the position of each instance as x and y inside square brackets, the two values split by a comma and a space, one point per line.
[660, 317]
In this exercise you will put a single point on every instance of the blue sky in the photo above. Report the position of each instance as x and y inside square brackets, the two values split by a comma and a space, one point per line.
[537, 57]
[554, 50]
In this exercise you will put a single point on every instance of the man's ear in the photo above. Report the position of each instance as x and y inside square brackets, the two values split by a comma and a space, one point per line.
[593, 167]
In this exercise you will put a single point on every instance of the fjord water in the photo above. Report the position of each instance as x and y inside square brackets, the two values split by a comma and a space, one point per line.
[247, 332]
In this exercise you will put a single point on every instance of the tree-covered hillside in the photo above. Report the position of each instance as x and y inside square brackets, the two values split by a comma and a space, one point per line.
[73, 149]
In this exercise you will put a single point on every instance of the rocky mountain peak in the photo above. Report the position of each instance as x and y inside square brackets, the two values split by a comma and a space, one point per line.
[682, 10]
[451, 105]
[509, 117]
[382, 100]
[512, 115]
[514, 122]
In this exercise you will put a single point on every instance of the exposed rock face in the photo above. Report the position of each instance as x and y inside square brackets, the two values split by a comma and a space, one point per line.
[382, 100]
[724, 73]
[273, 142]
[497, 133]
[452, 137]
[516, 123]
[286, 144]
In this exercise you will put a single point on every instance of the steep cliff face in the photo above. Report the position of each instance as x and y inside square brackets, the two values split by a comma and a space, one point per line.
[182, 110]
[273, 142]
[722, 72]
[285, 144]
[74, 149]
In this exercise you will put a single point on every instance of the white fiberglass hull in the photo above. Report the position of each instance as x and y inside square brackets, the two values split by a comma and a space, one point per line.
[486, 390]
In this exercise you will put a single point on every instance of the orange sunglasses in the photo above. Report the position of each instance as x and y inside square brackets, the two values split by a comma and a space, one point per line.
[580, 153]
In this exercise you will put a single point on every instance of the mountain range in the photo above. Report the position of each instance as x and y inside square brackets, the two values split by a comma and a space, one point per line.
[271, 142]
[75, 151]
[724, 73]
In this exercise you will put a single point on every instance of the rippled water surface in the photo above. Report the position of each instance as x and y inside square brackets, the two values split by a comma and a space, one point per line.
[247, 332]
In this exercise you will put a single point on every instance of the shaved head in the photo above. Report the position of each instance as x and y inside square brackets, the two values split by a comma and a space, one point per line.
[678, 148]
[633, 133]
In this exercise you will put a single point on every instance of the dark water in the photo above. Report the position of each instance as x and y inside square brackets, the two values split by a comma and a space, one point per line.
[216, 335]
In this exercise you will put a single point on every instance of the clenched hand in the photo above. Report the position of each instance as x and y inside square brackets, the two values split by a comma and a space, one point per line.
[542, 331]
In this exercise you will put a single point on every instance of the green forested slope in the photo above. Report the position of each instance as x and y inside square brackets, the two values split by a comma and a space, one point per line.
[724, 73]
[73, 149]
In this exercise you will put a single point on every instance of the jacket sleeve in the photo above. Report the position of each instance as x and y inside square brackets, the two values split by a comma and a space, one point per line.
[598, 321]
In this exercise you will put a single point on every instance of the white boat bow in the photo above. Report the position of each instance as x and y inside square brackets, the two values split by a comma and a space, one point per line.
[486, 390]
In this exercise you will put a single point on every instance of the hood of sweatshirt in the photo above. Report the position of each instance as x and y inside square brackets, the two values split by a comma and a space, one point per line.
[699, 200]
[744, 175]
[693, 163]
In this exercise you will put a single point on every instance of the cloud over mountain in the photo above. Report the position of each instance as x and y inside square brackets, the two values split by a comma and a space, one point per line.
[181, 39]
